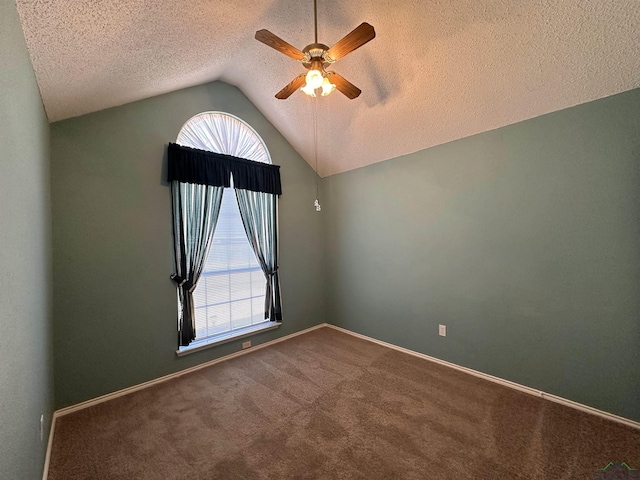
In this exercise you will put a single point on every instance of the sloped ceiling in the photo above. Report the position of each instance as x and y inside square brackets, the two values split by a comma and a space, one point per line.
[437, 71]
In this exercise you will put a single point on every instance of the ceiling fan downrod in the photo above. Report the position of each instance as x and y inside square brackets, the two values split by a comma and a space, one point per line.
[315, 20]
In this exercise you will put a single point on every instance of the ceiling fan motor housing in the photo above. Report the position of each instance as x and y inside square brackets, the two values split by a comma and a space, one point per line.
[315, 51]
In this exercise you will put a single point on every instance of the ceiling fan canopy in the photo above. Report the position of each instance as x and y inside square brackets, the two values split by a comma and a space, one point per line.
[316, 57]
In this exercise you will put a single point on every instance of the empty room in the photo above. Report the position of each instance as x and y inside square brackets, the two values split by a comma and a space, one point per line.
[320, 239]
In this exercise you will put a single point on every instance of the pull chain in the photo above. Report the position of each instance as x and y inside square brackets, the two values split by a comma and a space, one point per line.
[316, 203]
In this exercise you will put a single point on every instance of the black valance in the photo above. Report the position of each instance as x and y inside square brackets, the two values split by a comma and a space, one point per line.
[190, 165]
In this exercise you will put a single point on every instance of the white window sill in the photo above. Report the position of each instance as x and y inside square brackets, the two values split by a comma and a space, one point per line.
[209, 342]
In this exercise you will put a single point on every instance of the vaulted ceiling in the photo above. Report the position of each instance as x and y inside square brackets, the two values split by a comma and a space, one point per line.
[438, 70]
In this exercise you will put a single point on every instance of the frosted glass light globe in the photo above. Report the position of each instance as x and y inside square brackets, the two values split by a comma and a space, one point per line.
[314, 78]
[309, 91]
[327, 87]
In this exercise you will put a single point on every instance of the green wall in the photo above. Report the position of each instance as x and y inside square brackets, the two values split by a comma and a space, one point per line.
[114, 305]
[26, 389]
[524, 241]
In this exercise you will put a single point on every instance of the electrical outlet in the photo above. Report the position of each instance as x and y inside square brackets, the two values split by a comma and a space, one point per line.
[246, 344]
[442, 330]
[41, 428]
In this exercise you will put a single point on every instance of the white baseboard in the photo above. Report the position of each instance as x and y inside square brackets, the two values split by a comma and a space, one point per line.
[501, 381]
[47, 457]
[125, 391]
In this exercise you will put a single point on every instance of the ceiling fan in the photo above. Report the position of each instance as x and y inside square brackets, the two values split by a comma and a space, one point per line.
[316, 57]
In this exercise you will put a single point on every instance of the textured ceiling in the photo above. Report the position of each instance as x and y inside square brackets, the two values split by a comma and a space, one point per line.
[438, 70]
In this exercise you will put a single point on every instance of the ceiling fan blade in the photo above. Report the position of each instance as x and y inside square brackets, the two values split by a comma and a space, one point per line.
[294, 85]
[343, 85]
[358, 37]
[274, 41]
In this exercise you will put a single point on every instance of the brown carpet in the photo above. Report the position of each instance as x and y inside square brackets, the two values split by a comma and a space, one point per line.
[326, 405]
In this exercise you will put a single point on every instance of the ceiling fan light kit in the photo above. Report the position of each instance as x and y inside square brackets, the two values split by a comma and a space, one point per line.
[315, 75]
[316, 57]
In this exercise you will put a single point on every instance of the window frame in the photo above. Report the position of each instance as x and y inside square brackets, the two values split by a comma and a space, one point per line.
[267, 324]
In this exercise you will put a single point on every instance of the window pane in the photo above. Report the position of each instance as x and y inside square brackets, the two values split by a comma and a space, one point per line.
[241, 313]
[258, 282]
[230, 292]
[218, 319]
[257, 306]
[240, 285]
[217, 288]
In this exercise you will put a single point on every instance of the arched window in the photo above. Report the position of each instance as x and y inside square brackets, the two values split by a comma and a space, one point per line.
[221, 132]
[234, 293]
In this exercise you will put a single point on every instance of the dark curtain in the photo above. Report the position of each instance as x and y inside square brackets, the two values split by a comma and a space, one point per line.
[259, 213]
[197, 179]
[190, 165]
[195, 214]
